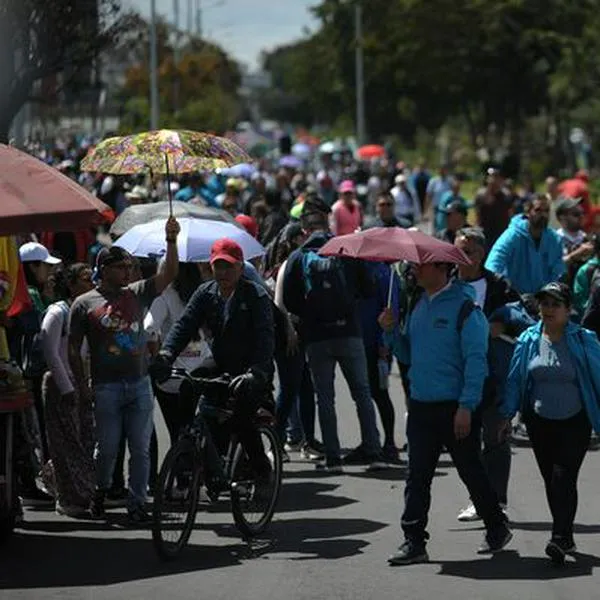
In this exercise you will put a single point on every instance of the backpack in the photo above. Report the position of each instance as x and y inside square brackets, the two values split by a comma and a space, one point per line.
[328, 297]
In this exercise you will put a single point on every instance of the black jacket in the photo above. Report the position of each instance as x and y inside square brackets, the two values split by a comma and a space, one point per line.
[499, 292]
[244, 342]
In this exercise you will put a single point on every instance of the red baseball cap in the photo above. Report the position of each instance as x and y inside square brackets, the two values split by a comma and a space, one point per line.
[248, 223]
[227, 250]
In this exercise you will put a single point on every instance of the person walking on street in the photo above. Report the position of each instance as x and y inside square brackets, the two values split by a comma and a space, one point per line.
[346, 213]
[111, 317]
[554, 380]
[436, 189]
[492, 292]
[493, 207]
[529, 254]
[322, 292]
[444, 397]
[386, 217]
[406, 201]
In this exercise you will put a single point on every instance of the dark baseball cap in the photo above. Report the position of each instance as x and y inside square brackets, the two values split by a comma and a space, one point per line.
[228, 250]
[457, 207]
[557, 291]
[111, 256]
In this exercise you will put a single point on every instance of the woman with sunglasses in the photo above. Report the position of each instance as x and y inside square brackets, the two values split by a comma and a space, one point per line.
[554, 380]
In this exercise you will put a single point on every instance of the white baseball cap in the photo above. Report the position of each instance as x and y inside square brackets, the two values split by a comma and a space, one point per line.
[400, 178]
[34, 252]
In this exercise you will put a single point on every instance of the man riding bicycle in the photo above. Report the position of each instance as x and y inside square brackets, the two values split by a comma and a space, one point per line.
[238, 316]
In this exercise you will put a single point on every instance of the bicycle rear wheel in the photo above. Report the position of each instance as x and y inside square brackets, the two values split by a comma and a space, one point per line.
[253, 501]
[176, 499]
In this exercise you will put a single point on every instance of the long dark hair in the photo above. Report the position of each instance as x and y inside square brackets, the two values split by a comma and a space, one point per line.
[187, 281]
[30, 277]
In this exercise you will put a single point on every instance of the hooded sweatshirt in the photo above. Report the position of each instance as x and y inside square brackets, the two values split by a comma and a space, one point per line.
[528, 267]
[446, 364]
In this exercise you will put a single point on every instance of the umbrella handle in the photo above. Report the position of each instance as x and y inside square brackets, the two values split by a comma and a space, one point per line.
[169, 193]
[389, 300]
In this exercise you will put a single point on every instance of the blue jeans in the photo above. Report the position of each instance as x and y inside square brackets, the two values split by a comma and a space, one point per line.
[349, 352]
[124, 406]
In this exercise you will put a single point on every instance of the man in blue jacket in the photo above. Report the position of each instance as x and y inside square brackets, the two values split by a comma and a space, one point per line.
[529, 253]
[445, 394]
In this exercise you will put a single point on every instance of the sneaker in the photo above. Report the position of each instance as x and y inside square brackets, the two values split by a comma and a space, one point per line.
[97, 505]
[468, 515]
[75, 512]
[377, 463]
[290, 446]
[35, 497]
[285, 457]
[332, 468]
[309, 452]
[358, 456]
[138, 515]
[391, 455]
[409, 554]
[558, 548]
[495, 540]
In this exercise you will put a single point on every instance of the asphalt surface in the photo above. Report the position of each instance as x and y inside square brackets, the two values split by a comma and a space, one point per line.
[330, 539]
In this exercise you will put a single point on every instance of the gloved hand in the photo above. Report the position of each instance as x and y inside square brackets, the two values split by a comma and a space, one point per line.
[160, 367]
[242, 384]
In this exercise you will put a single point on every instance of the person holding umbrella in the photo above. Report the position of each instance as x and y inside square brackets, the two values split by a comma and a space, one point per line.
[112, 318]
[445, 395]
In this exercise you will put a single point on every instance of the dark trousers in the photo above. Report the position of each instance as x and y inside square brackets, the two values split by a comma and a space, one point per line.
[381, 397]
[177, 410]
[496, 456]
[295, 386]
[430, 427]
[559, 448]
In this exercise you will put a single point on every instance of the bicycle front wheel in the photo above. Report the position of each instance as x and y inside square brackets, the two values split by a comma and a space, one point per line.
[176, 499]
[253, 500]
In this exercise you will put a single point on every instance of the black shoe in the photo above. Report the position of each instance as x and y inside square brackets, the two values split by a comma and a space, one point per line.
[557, 548]
[138, 516]
[495, 540]
[391, 455]
[97, 505]
[409, 554]
[116, 497]
[35, 497]
[358, 456]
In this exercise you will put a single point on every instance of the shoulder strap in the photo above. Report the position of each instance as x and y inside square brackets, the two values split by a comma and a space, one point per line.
[468, 306]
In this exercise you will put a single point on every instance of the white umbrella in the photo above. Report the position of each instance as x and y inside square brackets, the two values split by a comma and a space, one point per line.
[193, 243]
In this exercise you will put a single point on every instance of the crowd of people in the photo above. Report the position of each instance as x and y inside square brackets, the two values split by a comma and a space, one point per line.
[513, 335]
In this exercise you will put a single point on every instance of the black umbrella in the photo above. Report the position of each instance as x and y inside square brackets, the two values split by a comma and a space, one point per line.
[144, 213]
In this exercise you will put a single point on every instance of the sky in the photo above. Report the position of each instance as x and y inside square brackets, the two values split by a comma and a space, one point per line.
[243, 27]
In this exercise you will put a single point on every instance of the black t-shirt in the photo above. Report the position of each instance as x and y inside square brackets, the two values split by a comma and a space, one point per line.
[493, 213]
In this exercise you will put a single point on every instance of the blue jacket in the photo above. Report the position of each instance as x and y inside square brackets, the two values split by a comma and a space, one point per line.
[370, 308]
[585, 352]
[445, 364]
[516, 257]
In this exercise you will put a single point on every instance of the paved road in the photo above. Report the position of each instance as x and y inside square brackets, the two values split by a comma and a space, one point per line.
[330, 539]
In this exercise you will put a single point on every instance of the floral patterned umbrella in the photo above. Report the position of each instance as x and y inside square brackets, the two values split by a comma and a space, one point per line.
[163, 151]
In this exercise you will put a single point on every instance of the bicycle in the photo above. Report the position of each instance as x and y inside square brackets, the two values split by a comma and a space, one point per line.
[194, 461]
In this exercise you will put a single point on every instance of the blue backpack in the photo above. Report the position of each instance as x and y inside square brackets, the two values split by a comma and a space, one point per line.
[328, 297]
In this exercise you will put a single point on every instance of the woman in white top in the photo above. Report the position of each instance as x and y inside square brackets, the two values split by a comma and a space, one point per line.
[163, 314]
[69, 425]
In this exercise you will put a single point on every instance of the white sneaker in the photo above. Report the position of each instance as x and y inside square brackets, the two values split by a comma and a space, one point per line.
[468, 515]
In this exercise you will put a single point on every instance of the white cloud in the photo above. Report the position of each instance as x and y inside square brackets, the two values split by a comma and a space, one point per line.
[243, 27]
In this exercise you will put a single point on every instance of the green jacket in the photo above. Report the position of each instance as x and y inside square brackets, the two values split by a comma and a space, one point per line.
[581, 288]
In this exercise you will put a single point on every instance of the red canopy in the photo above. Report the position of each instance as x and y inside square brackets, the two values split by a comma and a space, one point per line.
[392, 244]
[371, 151]
[37, 197]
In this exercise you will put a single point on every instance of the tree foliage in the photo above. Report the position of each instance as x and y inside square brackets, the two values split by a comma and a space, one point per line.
[427, 61]
[197, 85]
[44, 38]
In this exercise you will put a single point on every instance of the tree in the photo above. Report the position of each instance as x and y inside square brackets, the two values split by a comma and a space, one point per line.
[40, 39]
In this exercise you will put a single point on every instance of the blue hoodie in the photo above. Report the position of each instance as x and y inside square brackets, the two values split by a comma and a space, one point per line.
[516, 257]
[585, 352]
[446, 365]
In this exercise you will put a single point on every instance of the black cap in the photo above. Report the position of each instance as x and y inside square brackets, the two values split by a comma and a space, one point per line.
[111, 256]
[567, 204]
[556, 290]
[313, 203]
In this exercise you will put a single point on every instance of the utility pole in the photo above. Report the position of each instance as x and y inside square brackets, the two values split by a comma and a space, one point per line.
[154, 108]
[361, 132]
[190, 17]
[176, 56]
[199, 18]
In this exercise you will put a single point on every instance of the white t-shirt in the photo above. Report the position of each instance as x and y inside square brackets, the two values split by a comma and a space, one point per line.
[480, 286]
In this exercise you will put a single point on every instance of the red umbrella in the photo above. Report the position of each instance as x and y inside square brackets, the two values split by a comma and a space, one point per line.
[37, 197]
[392, 244]
[371, 151]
